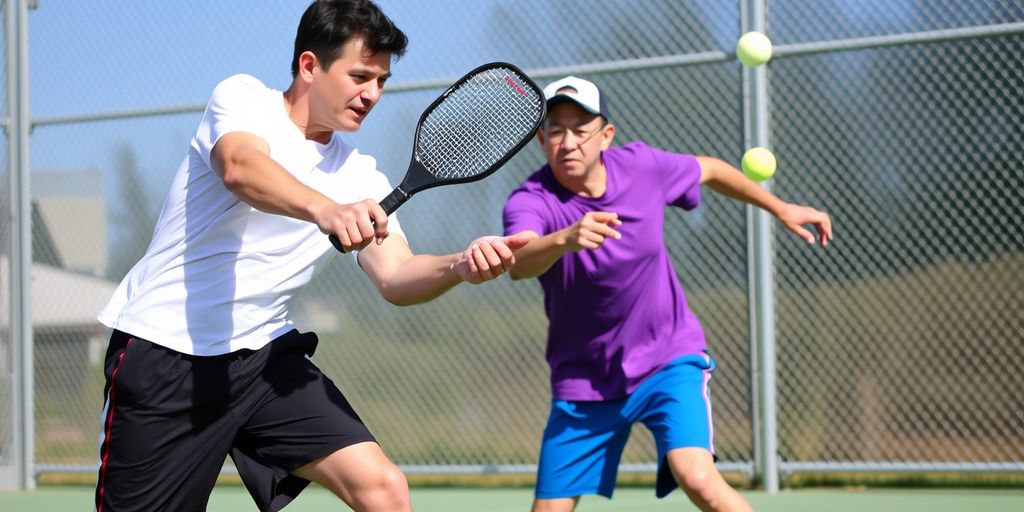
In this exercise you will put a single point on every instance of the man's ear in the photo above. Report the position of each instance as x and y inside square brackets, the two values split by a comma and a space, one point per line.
[307, 63]
[607, 135]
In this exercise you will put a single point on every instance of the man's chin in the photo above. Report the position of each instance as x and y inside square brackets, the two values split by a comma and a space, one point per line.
[571, 170]
[350, 126]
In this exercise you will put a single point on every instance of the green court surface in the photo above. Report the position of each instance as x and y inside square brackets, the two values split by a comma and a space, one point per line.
[235, 499]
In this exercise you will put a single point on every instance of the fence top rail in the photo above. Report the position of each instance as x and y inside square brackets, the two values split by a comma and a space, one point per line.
[619, 66]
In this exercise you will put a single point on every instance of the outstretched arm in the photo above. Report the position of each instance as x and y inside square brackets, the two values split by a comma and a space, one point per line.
[537, 256]
[404, 278]
[730, 182]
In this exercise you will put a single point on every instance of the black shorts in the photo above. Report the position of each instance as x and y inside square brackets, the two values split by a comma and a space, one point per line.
[170, 419]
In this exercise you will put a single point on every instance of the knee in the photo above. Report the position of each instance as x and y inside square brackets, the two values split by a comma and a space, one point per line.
[696, 480]
[386, 490]
[394, 483]
[702, 486]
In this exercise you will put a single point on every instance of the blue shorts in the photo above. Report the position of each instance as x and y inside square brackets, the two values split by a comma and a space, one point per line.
[583, 440]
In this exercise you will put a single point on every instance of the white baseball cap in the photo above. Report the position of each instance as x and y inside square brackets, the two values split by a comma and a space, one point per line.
[582, 92]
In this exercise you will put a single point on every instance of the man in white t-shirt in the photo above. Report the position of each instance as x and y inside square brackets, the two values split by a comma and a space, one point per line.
[203, 360]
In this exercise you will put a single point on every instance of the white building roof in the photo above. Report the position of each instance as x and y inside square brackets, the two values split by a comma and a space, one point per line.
[59, 298]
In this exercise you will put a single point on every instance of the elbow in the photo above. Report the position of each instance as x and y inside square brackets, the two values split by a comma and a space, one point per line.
[233, 157]
[392, 298]
[233, 177]
[395, 298]
[237, 168]
[397, 301]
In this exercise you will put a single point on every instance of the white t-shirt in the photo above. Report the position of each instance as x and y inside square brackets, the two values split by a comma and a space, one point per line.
[219, 275]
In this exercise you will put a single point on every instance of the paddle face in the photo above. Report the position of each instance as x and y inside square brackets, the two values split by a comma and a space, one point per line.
[470, 131]
[476, 126]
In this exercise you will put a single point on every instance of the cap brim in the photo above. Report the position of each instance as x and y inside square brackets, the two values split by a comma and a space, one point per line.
[562, 98]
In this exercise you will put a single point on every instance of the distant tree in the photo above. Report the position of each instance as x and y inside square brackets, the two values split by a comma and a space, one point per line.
[131, 220]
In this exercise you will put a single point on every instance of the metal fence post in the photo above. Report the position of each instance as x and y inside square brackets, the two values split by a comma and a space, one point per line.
[759, 268]
[23, 417]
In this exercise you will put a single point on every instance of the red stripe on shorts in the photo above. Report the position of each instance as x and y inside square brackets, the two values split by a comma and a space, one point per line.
[109, 425]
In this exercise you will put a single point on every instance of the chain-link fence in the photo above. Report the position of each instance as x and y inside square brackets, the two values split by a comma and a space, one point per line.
[901, 346]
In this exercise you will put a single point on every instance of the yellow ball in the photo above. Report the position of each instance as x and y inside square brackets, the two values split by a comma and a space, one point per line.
[753, 49]
[758, 164]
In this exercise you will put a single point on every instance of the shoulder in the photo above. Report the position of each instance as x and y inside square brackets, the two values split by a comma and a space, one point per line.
[537, 189]
[531, 205]
[540, 182]
[240, 88]
[639, 154]
[240, 81]
[628, 157]
[636, 149]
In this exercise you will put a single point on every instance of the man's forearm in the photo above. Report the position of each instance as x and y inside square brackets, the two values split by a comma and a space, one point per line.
[421, 278]
[729, 181]
[537, 256]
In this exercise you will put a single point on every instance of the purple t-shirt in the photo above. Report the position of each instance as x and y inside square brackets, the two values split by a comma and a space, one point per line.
[616, 314]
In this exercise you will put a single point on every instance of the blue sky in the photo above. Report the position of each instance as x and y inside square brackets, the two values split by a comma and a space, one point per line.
[110, 56]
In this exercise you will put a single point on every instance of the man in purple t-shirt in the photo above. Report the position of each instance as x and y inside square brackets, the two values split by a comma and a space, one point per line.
[623, 345]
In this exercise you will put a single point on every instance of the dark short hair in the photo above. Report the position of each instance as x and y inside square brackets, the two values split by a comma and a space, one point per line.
[327, 25]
